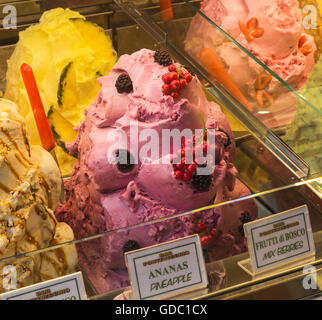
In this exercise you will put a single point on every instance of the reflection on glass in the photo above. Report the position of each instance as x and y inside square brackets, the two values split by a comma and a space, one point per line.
[267, 52]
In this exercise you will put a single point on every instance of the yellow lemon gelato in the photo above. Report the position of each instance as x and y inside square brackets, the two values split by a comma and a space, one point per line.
[67, 54]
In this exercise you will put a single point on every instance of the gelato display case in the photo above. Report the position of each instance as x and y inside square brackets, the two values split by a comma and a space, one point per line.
[104, 68]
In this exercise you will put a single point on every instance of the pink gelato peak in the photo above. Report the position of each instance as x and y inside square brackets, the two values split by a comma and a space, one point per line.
[103, 194]
[271, 30]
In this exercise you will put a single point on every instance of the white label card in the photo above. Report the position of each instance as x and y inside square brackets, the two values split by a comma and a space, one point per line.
[279, 239]
[70, 287]
[167, 269]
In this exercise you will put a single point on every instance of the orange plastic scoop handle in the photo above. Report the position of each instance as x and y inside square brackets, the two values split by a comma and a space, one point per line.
[218, 71]
[166, 10]
[46, 136]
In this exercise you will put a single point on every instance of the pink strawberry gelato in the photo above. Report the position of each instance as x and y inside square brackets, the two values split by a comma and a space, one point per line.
[101, 196]
[272, 31]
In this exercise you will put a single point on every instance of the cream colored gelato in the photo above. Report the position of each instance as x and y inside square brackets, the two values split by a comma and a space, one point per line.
[29, 191]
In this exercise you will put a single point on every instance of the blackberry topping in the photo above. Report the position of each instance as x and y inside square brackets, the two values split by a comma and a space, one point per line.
[227, 135]
[244, 218]
[241, 230]
[124, 84]
[201, 182]
[130, 245]
[162, 57]
[189, 69]
[126, 161]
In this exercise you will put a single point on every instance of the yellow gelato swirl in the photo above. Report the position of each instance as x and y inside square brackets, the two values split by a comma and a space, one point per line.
[67, 54]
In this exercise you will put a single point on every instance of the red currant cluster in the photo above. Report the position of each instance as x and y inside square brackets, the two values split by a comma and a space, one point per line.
[189, 150]
[207, 234]
[175, 80]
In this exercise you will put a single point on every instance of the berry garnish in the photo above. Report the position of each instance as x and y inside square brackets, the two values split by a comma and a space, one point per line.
[130, 245]
[173, 76]
[187, 143]
[174, 95]
[179, 166]
[174, 85]
[124, 84]
[186, 176]
[206, 231]
[125, 160]
[183, 83]
[172, 67]
[166, 89]
[191, 168]
[188, 77]
[162, 57]
[241, 230]
[200, 226]
[201, 183]
[244, 218]
[197, 151]
[214, 232]
[178, 174]
[177, 79]
[204, 147]
[191, 155]
[166, 78]
[187, 68]
[205, 240]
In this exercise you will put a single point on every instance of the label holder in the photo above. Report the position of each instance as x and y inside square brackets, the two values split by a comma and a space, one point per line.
[294, 263]
[185, 293]
[246, 265]
[30, 292]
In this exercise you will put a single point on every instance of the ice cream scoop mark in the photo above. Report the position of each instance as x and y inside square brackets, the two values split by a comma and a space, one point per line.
[251, 31]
